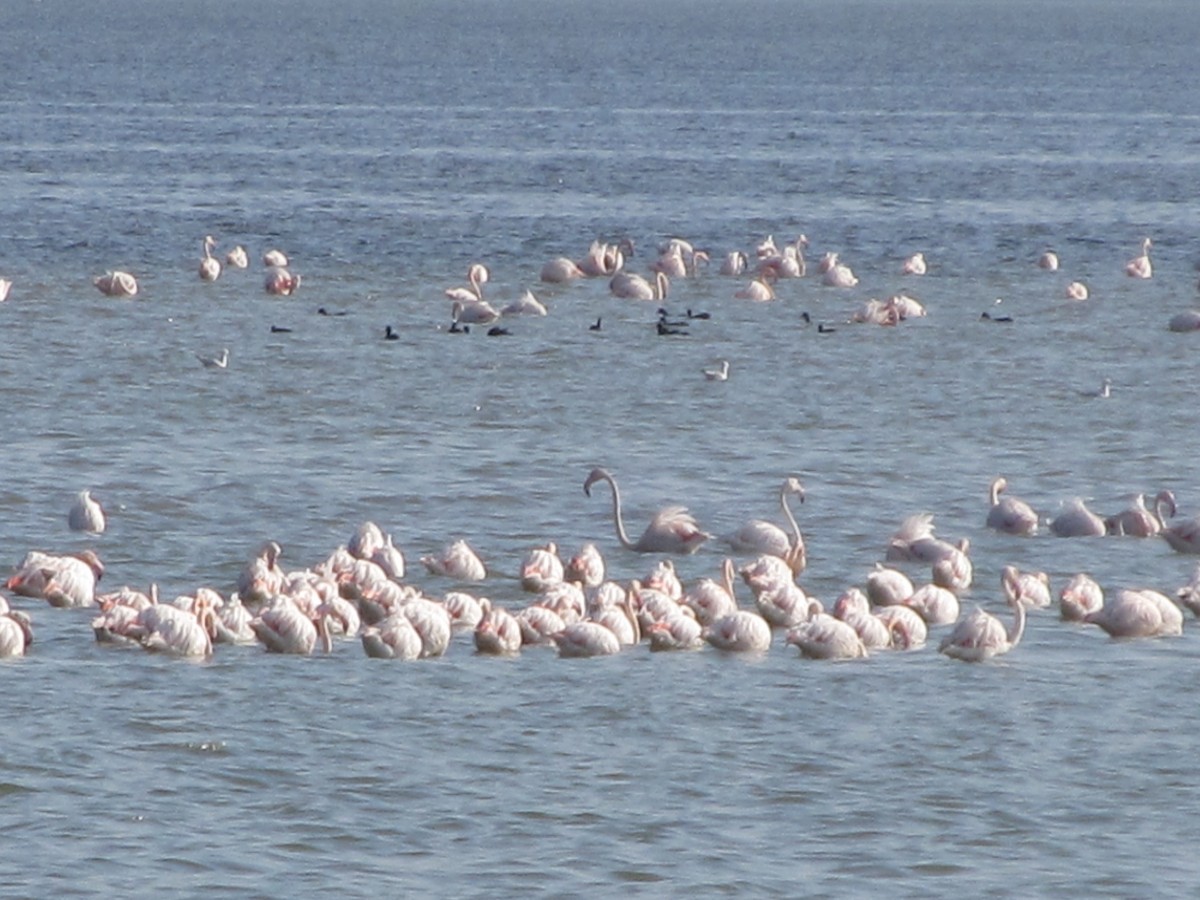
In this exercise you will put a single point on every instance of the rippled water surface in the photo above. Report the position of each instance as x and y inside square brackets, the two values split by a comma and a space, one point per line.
[385, 147]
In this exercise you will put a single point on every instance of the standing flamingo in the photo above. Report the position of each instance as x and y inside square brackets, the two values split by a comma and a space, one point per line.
[981, 636]
[672, 530]
[1139, 266]
[86, 514]
[1010, 514]
[758, 536]
[210, 266]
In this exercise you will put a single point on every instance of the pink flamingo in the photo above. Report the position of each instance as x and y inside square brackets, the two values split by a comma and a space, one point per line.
[740, 632]
[906, 627]
[237, 257]
[734, 263]
[709, 599]
[16, 633]
[5, 287]
[759, 536]
[458, 561]
[914, 265]
[1080, 597]
[561, 270]
[887, 586]
[541, 568]
[280, 282]
[585, 567]
[1076, 290]
[1184, 535]
[1138, 521]
[936, 605]
[853, 608]
[824, 637]
[392, 638]
[759, 290]
[1138, 613]
[62, 581]
[498, 633]
[677, 631]
[1048, 261]
[1076, 520]
[283, 628]
[672, 530]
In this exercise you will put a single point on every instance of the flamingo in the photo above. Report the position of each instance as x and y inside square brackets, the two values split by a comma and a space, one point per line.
[1076, 290]
[275, 259]
[740, 632]
[853, 608]
[875, 313]
[561, 270]
[954, 571]
[392, 638]
[237, 257]
[583, 639]
[215, 362]
[720, 373]
[914, 265]
[585, 567]
[498, 633]
[477, 276]
[389, 558]
[672, 530]
[280, 282]
[1048, 261]
[262, 578]
[1010, 514]
[541, 569]
[1138, 613]
[283, 628]
[735, 263]
[824, 637]
[759, 290]
[178, 632]
[905, 307]
[477, 312]
[525, 305]
[905, 626]
[458, 561]
[1139, 266]
[1184, 535]
[676, 631]
[709, 599]
[1189, 594]
[787, 263]
[1076, 520]
[982, 636]
[210, 266]
[86, 514]
[1080, 597]
[839, 275]
[1138, 521]
[62, 581]
[1033, 588]
[116, 284]
[887, 586]
[16, 633]
[539, 625]
[759, 536]
[936, 605]
[5, 287]
[631, 286]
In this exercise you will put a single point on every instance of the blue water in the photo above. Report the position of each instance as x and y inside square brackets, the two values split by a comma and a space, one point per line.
[385, 147]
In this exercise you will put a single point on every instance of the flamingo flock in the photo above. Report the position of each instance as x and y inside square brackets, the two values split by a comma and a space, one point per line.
[362, 592]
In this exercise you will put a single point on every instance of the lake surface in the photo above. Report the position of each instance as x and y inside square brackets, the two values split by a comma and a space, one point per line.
[386, 147]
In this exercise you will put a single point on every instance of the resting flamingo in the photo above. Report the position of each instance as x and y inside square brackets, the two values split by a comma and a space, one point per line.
[237, 257]
[672, 530]
[1048, 261]
[477, 312]
[5, 287]
[907, 629]
[280, 282]
[525, 305]
[853, 608]
[458, 561]
[86, 514]
[1189, 594]
[116, 284]
[631, 286]
[16, 633]
[275, 259]
[935, 604]
[914, 265]
[1010, 514]
[1076, 290]
[741, 631]
[982, 636]
[824, 637]
[735, 263]
[541, 568]
[676, 631]
[1138, 613]
[392, 638]
[498, 633]
[759, 290]
[1080, 597]
[210, 266]
[839, 275]
[1139, 266]
[709, 599]
[887, 586]
[62, 581]
[758, 536]
[585, 567]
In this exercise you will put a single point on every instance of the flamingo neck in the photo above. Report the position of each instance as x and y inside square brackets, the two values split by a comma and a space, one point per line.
[1018, 624]
[618, 522]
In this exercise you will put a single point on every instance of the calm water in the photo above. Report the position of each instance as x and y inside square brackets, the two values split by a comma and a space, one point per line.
[387, 148]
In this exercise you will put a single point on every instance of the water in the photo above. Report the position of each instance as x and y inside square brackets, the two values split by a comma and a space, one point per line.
[387, 148]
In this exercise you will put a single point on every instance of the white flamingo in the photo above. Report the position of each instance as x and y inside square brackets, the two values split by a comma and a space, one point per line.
[86, 514]
[458, 561]
[741, 631]
[116, 284]
[759, 536]
[825, 637]
[210, 266]
[914, 265]
[16, 633]
[672, 530]
[982, 636]
[1010, 514]
[1080, 597]
[1139, 266]
[237, 257]
[1076, 520]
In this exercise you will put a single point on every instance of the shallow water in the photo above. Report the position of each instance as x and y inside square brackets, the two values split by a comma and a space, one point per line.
[386, 149]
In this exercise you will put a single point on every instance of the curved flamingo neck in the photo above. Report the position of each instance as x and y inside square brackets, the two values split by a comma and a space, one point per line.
[1017, 628]
[617, 519]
